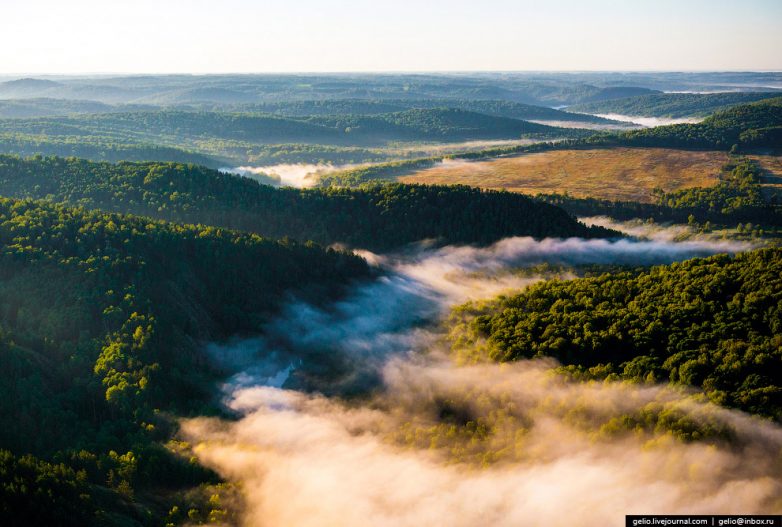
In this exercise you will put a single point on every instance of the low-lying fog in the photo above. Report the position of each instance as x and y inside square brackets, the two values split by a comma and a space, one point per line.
[299, 175]
[648, 121]
[584, 125]
[306, 175]
[354, 414]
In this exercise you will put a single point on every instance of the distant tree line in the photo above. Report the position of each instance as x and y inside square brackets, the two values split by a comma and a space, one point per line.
[673, 105]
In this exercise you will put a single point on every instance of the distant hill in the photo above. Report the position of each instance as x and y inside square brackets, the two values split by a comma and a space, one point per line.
[671, 104]
[27, 88]
[616, 92]
[500, 108]
[186, 124]
[29, 83]
[183, 128]
[514, 110]
[217, 95]
[437, 124]
[99, 149]
[328, 107]
[165, 90]
[752, 127]
[44, 107]
[749, 126]
[47, 107]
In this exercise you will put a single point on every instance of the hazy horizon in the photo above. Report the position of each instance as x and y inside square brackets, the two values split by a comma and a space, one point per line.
[87, 37]
[390, 264]
[92, 74]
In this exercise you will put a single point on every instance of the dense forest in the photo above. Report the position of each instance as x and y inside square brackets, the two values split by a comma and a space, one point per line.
[217, 153]
[27, 108]
[674, 105]
[748, 126]
[102, 317]
[47, 107]
[438, 124]
[219, 138]
[500, 108]
[376, 217]
[738, 190]
[713, 323]
[98, 149]
[178, 127]
[115, 271]
[163, 124]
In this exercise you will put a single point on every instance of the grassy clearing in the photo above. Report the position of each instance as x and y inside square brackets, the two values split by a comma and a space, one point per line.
[616, 173]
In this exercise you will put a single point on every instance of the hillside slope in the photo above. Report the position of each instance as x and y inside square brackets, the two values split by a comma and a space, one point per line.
[102, 320]
[749, 126]
[714, 323]
[375, 217]
[500, 108]
[673, 105]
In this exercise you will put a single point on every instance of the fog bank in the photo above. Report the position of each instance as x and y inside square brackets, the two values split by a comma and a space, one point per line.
[352, 414]
[299, 175]
[486, 445]
[649, 121]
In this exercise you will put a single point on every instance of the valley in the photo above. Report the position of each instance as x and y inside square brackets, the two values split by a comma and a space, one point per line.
[389, 299]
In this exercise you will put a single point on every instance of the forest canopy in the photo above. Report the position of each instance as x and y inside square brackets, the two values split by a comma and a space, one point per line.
[673, 105]
[713, 323]
[102, 324]
[375, 217]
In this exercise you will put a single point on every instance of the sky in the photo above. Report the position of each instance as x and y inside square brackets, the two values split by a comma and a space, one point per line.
[253, 36]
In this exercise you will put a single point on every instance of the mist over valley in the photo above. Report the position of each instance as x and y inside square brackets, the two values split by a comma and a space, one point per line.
[344, 264]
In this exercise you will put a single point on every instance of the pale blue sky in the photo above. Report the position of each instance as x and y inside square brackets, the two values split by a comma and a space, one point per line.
[220, 36]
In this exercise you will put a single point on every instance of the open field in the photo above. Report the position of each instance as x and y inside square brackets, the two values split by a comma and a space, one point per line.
[617, 173]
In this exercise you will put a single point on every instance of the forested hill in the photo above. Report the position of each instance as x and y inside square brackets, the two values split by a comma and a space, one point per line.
[375, 217]
[510, 109]
[219, 139]
[515, 110]
[32, 108]
[99, 149]
[749, 126]
[714, 323]
[438, 124]
[26, 108]
[223, 90]
[176, 127]
[102, 319]
[672, 104]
